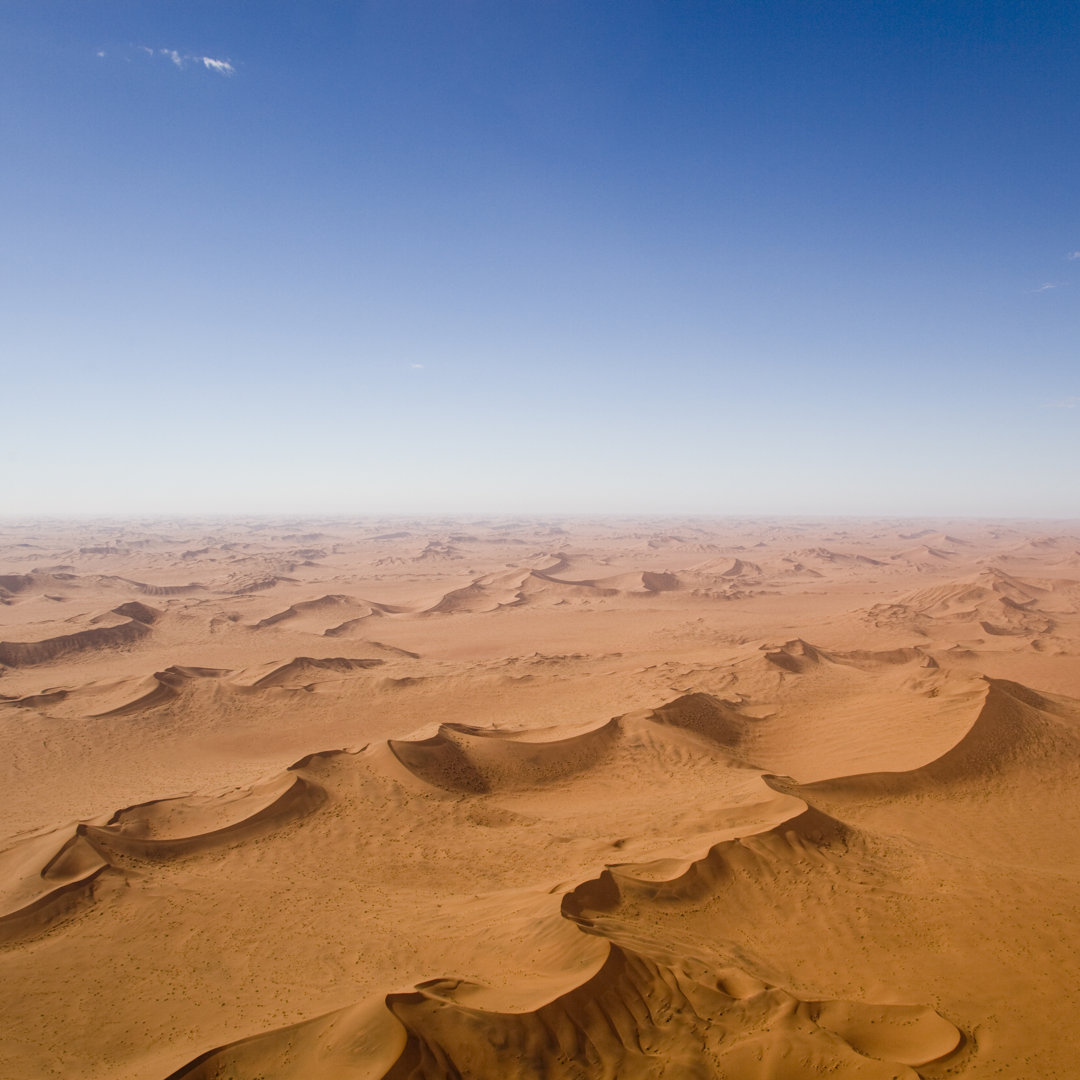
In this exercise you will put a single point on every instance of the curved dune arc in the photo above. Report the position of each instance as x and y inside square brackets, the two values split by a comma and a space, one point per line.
[636, 581]
[167, 590]
[182, 815]
[160, 590]
[483, 594]
[798, 656]
[50, 906]
[440, 762]
[329, 602]
[52, 883]
[458, 759]
[163, 691]
[168, 685]
[10, 584]
[590, 584]
[1012, 724]
[258, 585]
[988, 592]
[809, 832]
[637, 1015]
[140, 612]
[807, 837]
[532, 735]
[18, 583]
[560, 564]
[318, 756]
[25, 653]
[300, 798]
[45, 891]
[359, 1042]
[477, 760]
[711, 717]
[34, 701]
[309, 666]
[632, 1017]
[512, 589]
[602, 1025]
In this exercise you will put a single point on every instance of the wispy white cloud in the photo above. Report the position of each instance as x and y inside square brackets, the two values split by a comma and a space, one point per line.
[181, 60]
[1046, 286]
[1064, 403]
[1073, 255]
[101, 52]
[223, 67]
[416, 365]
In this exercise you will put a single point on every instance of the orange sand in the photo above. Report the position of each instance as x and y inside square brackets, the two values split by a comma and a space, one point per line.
[759, 800]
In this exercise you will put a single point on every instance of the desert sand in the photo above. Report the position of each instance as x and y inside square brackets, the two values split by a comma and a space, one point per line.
[502, 798]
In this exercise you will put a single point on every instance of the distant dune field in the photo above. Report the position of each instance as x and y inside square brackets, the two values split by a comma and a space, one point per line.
[490, 799]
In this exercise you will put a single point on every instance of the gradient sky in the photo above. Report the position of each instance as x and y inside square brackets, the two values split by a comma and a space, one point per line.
[540, 256]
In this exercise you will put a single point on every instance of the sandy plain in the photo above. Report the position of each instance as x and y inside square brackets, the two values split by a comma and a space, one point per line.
[521, 798]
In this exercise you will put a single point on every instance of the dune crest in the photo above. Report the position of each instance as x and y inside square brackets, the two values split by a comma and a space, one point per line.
[53, 881]
[26, 653]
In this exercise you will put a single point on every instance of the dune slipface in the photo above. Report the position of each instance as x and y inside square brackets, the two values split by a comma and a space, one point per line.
[621, 799]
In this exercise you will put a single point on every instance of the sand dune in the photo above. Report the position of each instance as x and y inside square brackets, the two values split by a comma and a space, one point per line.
[486, 593]
[728, 568]
[46, 879]
[303, 670]
[636, 1012]
[990, 601]
[835, 558]
[326, 614]
[165, 686]
[25, 653]
[1017, 728]
[924, 555]
[751, 799]
[315, 607]
[165, 590]
[633, 1018]
[798, 656]
[464, 759]
[989, 591]
[516, 588]
[59, 581]
[930, 538]
[179, 826]
[258, 584]
[713, 718]
[185, 686]
[53, 876]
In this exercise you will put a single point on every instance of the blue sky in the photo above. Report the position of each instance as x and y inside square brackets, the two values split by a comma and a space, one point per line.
[540, 256]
